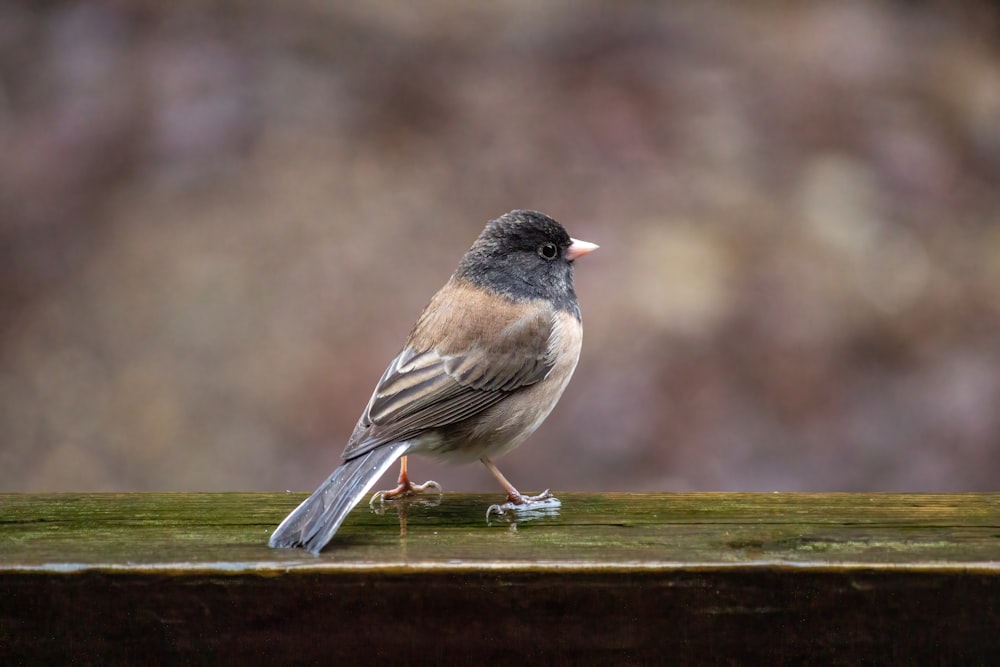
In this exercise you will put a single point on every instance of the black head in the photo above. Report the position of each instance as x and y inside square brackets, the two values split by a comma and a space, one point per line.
[524, 255]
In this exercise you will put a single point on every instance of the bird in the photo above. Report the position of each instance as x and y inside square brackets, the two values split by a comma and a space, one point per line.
[484, 365]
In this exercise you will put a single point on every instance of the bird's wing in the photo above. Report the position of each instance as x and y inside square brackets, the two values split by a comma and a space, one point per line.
[464, 374]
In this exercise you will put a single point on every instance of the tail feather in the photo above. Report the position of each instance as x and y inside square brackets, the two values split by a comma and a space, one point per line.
[313, 523]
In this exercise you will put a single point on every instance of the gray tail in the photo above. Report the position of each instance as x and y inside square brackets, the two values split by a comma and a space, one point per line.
[312, 524]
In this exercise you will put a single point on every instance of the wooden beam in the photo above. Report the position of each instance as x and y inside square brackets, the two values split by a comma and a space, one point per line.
[607, 578]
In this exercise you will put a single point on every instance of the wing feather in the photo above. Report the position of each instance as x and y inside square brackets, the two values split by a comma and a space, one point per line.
[430, 387]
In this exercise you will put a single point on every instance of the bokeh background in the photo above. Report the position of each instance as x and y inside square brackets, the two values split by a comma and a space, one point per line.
[218, 221]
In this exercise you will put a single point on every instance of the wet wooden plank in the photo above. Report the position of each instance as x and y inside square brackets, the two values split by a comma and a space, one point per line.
[639, 578]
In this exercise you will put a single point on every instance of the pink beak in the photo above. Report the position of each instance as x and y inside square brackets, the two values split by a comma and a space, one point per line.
[578, 248]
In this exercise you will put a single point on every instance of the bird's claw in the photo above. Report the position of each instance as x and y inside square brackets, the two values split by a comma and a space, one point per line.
[544, 501]
[403, 490]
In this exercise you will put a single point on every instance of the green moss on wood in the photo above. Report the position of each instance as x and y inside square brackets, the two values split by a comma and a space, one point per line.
[228, 532]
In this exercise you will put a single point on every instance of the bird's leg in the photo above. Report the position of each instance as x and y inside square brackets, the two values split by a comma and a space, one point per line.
[404, 487]
[515, 500]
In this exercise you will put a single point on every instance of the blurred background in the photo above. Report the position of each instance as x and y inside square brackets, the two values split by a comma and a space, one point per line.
[218, 222]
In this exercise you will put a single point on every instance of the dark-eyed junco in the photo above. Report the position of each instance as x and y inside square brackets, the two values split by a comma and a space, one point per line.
[484, 365]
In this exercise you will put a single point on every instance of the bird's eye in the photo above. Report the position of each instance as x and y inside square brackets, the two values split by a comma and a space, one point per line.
[548, 251]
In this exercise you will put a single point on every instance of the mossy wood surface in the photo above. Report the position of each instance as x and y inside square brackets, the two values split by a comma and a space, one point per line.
[605, 579]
